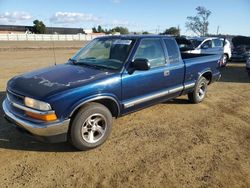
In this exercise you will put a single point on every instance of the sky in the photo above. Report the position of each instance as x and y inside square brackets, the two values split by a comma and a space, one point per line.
[230, 16]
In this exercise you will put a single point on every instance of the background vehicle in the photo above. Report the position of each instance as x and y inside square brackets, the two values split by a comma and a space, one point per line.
[204, 45]
[241, 53]
[248, 66]
[110, 77]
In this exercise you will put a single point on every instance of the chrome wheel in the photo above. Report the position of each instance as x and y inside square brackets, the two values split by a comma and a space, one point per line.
[202, 91]
[94, 128]
[199, 92]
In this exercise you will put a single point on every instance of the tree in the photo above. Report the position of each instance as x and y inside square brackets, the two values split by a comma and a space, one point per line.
[172, 31]
[121, 30]
[39, 27]
[100, 29]
[199, 23]
[145, 33]
[106, 31]
[94, 30]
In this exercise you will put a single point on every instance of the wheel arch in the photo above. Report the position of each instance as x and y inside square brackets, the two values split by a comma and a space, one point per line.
[206, 74]
[108, 101]
[226, 53]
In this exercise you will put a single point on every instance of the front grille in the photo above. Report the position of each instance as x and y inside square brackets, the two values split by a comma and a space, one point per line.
[14, 97]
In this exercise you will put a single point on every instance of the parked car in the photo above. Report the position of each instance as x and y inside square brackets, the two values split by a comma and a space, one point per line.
[204, 45]
[241, 53]
[248, 66]
[184, 44]
[110, 77]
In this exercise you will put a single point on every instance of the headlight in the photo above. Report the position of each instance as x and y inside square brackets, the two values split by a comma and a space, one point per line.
[36, 104]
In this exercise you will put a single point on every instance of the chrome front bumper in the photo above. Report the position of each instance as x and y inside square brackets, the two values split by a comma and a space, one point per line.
[44, 129]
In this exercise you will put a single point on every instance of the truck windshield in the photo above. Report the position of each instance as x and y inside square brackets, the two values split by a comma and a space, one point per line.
[107, 53]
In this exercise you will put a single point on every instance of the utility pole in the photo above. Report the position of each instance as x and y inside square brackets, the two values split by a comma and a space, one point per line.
[218, 28]
[157, 29]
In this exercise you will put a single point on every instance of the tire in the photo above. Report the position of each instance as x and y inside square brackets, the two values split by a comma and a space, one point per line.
[199, 91]
[91, 126]
[225, 60]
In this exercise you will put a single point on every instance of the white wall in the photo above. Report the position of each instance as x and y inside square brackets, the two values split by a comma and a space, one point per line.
[45, 37]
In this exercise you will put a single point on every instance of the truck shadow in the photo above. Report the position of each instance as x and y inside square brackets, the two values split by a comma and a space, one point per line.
[235, 72]
[12, 139]
[178, 101]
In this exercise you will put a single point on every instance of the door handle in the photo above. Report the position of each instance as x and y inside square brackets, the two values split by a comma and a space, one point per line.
[166, 73]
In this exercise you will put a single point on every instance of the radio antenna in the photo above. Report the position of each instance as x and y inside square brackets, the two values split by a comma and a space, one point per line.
[53, 44]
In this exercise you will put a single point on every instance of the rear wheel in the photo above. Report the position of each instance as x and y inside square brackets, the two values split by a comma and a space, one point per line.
[199, 92]
[224, 60]
[91, 126]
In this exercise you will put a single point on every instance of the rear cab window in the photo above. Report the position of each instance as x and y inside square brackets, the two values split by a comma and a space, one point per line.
[172, 50]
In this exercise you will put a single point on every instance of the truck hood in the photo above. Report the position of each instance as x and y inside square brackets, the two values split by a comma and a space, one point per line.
[48, 81]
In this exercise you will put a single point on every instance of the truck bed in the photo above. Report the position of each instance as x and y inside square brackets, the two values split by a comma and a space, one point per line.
[190, 55]
[200, 62]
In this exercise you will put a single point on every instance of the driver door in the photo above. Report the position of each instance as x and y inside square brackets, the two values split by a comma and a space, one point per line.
[139, 87]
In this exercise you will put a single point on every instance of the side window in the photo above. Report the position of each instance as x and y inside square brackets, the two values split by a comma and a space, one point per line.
[152, 50]
[173, 51]
[217, 43]
[207, 44]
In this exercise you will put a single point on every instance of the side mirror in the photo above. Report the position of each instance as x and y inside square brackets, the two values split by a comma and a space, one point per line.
[141, 64]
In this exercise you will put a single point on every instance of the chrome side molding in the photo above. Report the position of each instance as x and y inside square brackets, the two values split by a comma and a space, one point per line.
[188, 86]
[158, 95]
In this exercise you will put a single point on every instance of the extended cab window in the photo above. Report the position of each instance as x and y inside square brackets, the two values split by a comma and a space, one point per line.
[152, 50]
[173, 51]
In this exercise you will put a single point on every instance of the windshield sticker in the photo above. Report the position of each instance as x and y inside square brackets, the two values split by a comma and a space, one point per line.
[123, 42]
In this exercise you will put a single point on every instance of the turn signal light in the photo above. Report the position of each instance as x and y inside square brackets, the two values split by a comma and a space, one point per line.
[45, 117]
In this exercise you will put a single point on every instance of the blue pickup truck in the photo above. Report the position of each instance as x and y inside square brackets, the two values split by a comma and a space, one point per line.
[110, 77]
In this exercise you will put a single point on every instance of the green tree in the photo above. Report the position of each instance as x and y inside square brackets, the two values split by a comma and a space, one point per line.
[122, 30]
[145, 33]
[172, 31]
[106, 31]
[199, 23]
[39, 27]
[100, 29]
[94, 30]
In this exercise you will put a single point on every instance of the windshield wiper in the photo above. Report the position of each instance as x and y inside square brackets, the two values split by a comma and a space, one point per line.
[92, 65]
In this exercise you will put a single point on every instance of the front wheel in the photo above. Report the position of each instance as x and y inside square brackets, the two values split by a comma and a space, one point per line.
[199, 92]
[91, 126]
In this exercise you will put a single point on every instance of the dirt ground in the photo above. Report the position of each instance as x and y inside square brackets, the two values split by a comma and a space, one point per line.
[173, 144]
